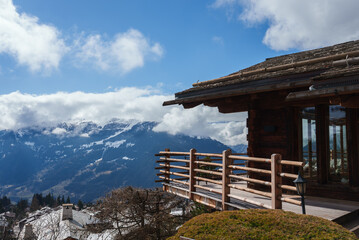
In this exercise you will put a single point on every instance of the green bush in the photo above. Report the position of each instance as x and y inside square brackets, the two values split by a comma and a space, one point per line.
[261, 224]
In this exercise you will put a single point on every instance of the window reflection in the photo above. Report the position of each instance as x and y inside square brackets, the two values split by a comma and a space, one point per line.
[309, 142]
[338, 161]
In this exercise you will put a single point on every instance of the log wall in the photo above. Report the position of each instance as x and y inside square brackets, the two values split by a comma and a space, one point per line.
[272, 131]
[278, 131]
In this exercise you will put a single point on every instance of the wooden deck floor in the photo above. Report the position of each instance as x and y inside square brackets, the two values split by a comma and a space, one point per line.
[330, 209]
[320, 207]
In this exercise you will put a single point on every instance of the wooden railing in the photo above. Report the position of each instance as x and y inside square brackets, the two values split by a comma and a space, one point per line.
[195, 173]
[337, 159]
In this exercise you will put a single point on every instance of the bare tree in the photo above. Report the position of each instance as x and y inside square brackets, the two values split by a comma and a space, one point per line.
[134, 213]
[48, 227]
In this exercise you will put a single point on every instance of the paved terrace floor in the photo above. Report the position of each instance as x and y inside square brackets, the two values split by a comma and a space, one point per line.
[330, 209]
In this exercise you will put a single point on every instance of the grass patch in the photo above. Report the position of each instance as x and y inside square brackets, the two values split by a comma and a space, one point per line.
[261, 224]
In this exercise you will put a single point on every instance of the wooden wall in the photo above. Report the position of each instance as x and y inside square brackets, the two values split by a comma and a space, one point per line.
[278, 131]
[272, 131]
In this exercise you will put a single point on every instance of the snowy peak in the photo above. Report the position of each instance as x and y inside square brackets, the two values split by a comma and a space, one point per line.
[85, 160]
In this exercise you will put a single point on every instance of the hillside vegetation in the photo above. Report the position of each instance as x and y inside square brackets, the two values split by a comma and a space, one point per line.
[261, 224]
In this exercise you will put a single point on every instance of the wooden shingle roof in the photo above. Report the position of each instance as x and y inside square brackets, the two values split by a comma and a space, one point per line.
[283, 72]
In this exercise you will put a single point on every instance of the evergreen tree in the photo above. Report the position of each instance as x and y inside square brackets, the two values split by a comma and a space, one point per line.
[20, 209]
[53, 201]
[80, 204]
[35, 203]
[4, 202]
[63, 199]
[41, 199]
[47, 200]
[68, 200]
[22, 204]
[58, 200]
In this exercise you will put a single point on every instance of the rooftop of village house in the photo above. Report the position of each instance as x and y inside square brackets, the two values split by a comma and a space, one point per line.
[322, 63]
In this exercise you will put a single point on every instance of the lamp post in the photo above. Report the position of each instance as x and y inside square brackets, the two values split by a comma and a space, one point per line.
[301, 185]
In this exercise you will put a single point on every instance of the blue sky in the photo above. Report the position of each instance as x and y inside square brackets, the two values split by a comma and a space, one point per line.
[70, 61]
[199, 42]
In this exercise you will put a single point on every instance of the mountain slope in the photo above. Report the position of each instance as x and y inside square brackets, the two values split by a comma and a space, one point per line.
[86, 160]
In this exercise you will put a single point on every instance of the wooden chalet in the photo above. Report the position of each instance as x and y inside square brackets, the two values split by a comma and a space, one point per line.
[303, 106]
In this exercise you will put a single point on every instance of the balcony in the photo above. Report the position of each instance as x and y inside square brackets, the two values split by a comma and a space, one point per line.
[225, 181]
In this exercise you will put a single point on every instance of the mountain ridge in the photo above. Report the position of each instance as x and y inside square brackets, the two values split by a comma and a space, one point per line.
[86, 160]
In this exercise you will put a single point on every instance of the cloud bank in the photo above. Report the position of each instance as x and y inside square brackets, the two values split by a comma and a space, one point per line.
[203, 121]
[299, 24]
[21, 110]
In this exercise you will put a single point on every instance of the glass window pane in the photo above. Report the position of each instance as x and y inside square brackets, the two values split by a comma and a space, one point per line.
[338, 161]
[309, 152]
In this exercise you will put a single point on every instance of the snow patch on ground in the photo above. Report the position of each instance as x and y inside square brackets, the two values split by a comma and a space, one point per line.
[113, 160]
[96, 162]
[130, 145]
[103, 173]
[30, 144]
[91, 144]
[125, 129]
[115, 144]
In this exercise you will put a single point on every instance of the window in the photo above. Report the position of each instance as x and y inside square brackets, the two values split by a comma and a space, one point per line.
[309, 142]
[338, 160]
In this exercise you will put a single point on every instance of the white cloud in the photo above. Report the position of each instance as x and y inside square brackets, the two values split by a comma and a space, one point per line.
[228, 5]
[58, 131]
[300, 24]
[23, 110]
[125, 52]
[32, 44]
[40, 47]
[218, 40]
[223, 3]
[203, 121]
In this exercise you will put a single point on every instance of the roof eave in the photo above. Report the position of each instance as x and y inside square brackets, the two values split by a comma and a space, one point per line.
[204, 95]
[320, 93]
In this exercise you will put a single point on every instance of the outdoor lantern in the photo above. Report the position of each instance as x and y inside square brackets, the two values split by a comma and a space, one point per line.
[301, 185]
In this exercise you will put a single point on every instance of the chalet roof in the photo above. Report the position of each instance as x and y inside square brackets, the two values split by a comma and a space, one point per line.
[47, 223]
[289, 71]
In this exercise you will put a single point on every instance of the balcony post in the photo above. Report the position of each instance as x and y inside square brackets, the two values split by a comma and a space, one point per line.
[192, 166]
[225, 179]
[276, 180]
[167, 168]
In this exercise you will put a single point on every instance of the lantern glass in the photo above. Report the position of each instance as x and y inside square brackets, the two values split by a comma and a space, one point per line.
[301, 188]
[301, 185]
[304, 187]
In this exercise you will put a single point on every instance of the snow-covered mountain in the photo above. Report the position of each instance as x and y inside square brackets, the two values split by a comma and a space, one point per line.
[85, 160]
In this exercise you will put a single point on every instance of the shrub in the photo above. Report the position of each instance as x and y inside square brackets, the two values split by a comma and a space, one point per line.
[261, 224]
